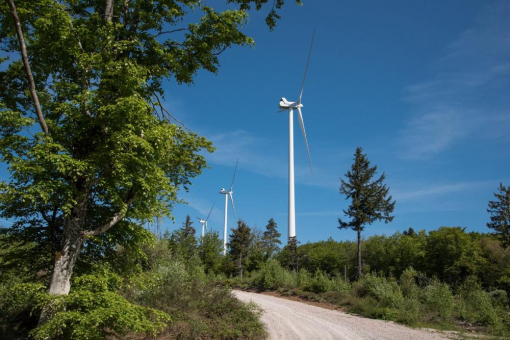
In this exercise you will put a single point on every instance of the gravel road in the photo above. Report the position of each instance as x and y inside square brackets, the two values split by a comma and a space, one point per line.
[286, 319]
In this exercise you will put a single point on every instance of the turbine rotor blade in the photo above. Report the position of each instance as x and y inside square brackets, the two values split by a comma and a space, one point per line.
[302, 123]
[209, 213]
[232, 201]
[234, 177]
[306, 68]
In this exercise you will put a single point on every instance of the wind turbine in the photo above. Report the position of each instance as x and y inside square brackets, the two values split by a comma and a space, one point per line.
[227, 195]
[204, 222]
[285, 105]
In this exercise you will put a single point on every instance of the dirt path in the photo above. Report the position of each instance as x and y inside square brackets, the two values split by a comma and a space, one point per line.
[286, 319]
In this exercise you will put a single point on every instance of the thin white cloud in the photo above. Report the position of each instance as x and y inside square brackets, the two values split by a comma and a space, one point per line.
[459, 102]
[263, 157]
[413, 192]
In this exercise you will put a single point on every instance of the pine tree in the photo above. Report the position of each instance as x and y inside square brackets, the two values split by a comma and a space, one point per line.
[271, 239]
[500, 215]
[210, 252]
[239, 245]
[369, 201]
[183, 242]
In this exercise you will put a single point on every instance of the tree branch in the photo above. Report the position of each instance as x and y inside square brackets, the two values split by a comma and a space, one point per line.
[168, 32]
[163, 111]
[24, 56]
[115, 218]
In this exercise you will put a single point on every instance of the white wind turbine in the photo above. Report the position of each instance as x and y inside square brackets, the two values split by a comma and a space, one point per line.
[285, 105]
[204, 222]
[227, 195]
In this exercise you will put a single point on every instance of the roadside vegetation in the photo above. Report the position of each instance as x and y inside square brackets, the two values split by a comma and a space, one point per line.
[446, 278]
[159, 292]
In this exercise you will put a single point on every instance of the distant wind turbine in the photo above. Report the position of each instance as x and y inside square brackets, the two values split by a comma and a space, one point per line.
[227, 195]
[285, 105]
[204, 222]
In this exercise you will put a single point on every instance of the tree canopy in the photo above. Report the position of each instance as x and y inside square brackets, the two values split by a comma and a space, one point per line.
[91, 151]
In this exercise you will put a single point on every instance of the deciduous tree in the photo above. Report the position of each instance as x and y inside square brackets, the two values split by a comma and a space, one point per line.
[92, 152]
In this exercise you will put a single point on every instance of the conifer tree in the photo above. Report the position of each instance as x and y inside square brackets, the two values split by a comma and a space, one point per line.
[210, 252]
[369, 201]
[500, 215]
[271, 239]
[239, 245]
[183, 242]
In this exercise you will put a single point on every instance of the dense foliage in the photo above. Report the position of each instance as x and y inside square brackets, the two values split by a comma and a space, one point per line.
[163, 295]
[102, 155]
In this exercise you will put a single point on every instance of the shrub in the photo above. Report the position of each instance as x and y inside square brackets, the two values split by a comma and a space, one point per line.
[93, 310]
[304, 279]
[499, 298]
[320, 283]
[273, 276]
[19, 309]
[389, 294]
[409, 311]
[438, 300]
[408, 283]
[339, 285]
[482, 310]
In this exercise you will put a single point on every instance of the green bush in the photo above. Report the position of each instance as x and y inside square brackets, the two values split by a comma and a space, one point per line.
[409, 312]
[389, 294]
[273, 276]
[499, 298]
[320, 283]
[92, 310]
[408, 283]
[338, 284]
[19, 309]
[304, 279]
[438, 300]
[481, 309]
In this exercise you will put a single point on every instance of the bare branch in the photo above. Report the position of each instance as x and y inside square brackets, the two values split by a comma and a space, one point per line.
[168, 113]
[168, 32]
[24, 56]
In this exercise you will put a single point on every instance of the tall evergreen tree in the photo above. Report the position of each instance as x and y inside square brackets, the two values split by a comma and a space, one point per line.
[500, 215]
[271, 239]
[369, 201]
[210, 252]
[239, 245]
[183, 242]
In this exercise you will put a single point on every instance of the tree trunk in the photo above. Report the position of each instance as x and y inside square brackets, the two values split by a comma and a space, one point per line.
[359, 253]
[241, 265]
[60, 283]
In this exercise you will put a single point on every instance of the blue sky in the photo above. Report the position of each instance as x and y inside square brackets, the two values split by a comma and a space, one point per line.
[422, 86]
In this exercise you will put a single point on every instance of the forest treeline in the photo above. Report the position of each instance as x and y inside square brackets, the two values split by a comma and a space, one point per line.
[178, 285]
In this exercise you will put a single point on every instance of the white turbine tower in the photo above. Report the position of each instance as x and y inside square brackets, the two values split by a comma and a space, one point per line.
[285, 105]
[227, 195]
[204, 222]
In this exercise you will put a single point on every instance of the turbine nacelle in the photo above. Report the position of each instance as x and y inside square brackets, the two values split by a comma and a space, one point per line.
[285, 104]
[225, 192]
